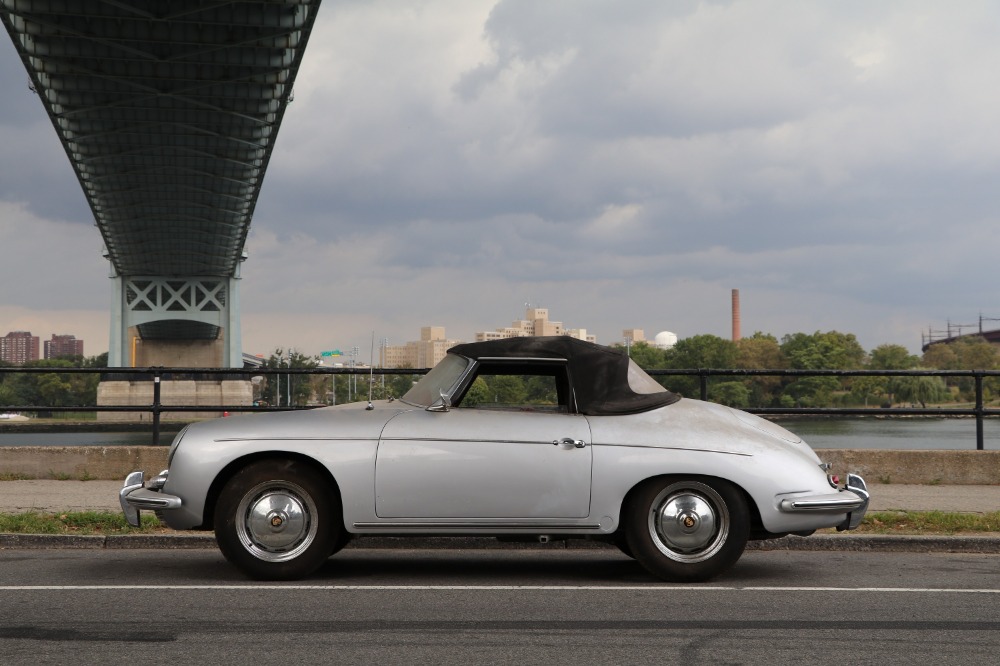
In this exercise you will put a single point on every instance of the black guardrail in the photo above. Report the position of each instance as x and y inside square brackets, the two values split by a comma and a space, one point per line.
[158, 374]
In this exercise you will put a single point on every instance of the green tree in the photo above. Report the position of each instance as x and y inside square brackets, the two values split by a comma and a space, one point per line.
[761, 352]
[883, 357]
[645, 355]
[51, 389]
[496, 390]
[892, 357]
[940, 357]
[698, 352]
[820, 351]
[478, 394]
[869, 388]
[922, 389]
[292, 389]
[968, 353]
[823, 351]
[733, 394]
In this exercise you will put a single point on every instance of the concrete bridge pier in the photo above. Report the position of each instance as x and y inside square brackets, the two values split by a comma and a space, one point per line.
[174, 322]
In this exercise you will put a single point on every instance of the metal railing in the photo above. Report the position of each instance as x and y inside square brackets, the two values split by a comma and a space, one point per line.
[979, 411]
[157, 375]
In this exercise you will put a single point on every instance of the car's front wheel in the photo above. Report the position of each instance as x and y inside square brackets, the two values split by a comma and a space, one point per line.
[277, 520]
[687, 530]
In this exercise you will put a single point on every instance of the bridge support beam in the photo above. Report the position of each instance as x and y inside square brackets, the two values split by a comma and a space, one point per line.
[173, 322]
[180, 322]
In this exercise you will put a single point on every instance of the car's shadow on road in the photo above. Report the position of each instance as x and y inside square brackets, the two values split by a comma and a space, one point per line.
[504, 567]
[428, 567]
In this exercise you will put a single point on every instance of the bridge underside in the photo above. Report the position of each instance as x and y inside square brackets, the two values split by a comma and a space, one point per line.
[168, 112]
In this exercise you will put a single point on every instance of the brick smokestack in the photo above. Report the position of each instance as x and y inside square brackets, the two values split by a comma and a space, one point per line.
[736, 315]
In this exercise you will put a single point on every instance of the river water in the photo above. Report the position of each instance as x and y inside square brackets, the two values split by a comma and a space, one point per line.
[820, 433]
[898, 433]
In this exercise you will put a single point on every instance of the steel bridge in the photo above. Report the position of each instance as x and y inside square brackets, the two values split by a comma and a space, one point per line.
[168, 112]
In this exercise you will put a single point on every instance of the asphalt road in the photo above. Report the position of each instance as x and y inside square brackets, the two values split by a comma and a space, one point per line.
[489, 606]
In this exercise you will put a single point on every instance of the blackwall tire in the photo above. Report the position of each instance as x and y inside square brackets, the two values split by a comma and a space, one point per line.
[278, 520]
[687, 529]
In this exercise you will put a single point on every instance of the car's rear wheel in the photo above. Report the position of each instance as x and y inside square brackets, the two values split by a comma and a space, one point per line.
[687, 530]
[278, 520]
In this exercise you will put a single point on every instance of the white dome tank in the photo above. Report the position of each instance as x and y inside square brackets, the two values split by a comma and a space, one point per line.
[665, 340]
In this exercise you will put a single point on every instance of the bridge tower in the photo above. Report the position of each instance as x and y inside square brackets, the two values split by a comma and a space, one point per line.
[168, 113]
[147, 311]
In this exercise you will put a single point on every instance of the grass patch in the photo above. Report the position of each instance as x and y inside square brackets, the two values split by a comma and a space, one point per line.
[15, 476]
[879, 522]
[929, 522]
[83, 522]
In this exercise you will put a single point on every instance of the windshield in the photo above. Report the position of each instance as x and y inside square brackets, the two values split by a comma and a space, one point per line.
[441, 378]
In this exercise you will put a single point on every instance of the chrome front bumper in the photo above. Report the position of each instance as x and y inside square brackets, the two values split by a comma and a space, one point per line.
[136, 495]
[852, 499]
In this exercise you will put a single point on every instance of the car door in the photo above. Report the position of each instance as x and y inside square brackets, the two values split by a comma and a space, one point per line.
[511, 448]
[483, 464]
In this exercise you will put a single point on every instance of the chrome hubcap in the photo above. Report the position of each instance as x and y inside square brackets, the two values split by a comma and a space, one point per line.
[276, 521]
[688, 521]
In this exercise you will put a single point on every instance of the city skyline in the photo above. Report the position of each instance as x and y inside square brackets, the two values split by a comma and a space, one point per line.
[19, 347]
[448, 161]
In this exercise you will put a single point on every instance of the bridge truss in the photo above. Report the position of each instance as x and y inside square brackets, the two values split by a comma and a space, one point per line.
[168, 112]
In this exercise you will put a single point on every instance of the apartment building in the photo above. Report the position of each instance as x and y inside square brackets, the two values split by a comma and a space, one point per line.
[536, 322]
[63, 345]
[423, 353]
[18, 347]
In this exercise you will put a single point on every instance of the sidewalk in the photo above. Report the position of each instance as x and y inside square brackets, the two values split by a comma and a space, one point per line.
[58, 496]
[54, 496]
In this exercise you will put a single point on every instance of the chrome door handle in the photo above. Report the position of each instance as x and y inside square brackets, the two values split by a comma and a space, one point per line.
[569, 441]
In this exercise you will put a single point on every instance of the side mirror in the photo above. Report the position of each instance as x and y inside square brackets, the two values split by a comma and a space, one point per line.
[442, 404]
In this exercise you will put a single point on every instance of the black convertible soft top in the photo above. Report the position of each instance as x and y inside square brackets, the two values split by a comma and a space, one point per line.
[599, 374]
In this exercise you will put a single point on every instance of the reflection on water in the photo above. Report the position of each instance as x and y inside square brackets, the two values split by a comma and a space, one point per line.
[898, 433]
[846, 432]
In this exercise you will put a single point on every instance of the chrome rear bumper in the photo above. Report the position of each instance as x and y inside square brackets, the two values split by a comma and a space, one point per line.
[852, 499]
[136, 495]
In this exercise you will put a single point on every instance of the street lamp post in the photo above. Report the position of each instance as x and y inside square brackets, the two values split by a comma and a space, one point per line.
[288, 378]
[354, 364]
[385, 346]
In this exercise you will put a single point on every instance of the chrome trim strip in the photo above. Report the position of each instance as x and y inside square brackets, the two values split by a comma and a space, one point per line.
[296, 439]
[523, 359]
[144, 498]
[856, 485]
[822, 504]
[464, 441]
[474, 526]
[132, 482]
[853, 499]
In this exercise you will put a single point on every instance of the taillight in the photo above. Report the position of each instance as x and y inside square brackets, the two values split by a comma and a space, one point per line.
[833, 480]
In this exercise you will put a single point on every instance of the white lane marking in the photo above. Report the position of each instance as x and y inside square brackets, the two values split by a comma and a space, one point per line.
[594, 588]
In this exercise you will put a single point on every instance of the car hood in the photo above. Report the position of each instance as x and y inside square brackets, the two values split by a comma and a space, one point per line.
[350, 421]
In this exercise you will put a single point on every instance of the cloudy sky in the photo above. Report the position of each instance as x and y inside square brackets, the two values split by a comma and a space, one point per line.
[625, 164]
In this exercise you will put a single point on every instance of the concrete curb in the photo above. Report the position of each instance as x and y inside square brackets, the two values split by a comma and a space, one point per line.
[847, 543]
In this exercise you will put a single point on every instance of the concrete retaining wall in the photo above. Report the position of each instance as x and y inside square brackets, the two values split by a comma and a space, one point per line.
[933, 467]
[876, 466]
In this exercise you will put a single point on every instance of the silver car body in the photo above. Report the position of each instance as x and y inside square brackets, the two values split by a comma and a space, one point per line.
[402, 469]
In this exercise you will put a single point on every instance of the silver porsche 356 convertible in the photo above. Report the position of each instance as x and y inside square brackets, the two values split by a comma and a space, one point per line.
[534, 438]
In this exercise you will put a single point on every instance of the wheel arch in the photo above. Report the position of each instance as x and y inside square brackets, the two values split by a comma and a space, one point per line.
[234, 466]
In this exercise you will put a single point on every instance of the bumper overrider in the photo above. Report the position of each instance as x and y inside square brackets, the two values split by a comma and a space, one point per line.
[137, 495]
[852, 498]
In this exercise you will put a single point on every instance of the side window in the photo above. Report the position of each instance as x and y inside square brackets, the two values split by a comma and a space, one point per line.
[518, 387]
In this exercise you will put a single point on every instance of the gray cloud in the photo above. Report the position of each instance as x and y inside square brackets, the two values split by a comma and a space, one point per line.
[624, 164]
